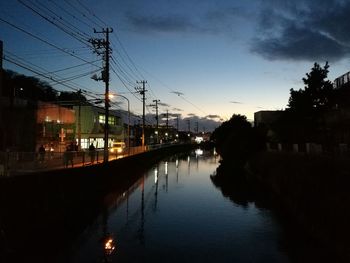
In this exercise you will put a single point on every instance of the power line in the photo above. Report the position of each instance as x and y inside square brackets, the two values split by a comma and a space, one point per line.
[45, 41]
[89, 11]
[82, 13]
[72, 34]
[41, 72]
[69, 13]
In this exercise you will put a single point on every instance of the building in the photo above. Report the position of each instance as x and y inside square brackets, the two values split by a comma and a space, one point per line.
[341, 81]
[266, 118]
[92, 120]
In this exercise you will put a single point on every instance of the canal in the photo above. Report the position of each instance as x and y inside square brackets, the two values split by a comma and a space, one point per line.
[175, 212]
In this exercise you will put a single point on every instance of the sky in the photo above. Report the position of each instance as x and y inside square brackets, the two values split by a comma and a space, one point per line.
[204, 60]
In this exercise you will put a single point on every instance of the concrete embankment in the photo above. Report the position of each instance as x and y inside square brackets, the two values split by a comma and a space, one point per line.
[50, 209]
[312, 190]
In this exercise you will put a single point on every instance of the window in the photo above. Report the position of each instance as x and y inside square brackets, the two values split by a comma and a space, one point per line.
[112, 120]
[101, 119]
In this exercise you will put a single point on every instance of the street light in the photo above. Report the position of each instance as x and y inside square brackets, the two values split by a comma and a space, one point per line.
[128, 117]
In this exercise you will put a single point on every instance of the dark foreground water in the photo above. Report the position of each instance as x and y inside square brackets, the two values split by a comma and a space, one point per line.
[177, 211]
[174, 213]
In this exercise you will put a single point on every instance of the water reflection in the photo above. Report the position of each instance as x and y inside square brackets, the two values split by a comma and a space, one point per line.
[234, 184]
[176, 222]
[189, 218]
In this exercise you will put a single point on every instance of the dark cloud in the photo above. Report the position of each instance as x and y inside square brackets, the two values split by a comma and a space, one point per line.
[213, 116]
[300, 44]
[191, 115]
[208, 123]
[163, 104]
[236, 102]
[161, 23]
[303, 30]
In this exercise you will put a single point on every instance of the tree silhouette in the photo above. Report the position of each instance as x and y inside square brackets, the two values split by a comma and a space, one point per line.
[236, 139]
[31, 88]
[317, 93]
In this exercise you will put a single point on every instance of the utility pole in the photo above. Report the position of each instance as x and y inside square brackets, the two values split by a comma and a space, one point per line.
[1, 55]
[189, 126]
[79, 119]
[157, 118]
[177, 122]
[143, 93]
[99, 44]
[167, 119]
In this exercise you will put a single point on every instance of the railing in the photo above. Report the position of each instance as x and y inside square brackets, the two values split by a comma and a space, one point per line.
[13, 163]
[341, 149]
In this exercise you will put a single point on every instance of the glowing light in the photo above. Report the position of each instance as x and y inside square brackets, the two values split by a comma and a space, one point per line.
[198, 139]
[155, 175]
[166, 167]
[109, 246]
[199, 152]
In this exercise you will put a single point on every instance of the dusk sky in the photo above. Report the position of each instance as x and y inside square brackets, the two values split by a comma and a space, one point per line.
[224, 57]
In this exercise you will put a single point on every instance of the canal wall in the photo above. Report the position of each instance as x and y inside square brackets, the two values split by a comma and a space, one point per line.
[313, 190]
[53, 207]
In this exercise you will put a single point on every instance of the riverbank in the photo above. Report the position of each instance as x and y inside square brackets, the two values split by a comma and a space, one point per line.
[42, 211]
[313, 190]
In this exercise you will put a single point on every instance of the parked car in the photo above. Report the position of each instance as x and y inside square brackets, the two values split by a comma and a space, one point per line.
[118, 147]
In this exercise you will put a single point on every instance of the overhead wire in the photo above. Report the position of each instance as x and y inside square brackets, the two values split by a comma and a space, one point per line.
[62, 28]
[89, 11]
[45, 41]
[82, 13]
[71, 14]
[40, 71]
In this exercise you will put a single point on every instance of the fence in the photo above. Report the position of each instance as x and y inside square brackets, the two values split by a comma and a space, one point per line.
[12, 163]
[309, 148]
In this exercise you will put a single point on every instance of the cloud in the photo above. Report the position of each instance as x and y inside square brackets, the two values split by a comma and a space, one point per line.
[236, 102]
[163, 104]
[213, 116]
[202, 17]
[303, 30]
[191, 115]
[300, 44]
[161, 23]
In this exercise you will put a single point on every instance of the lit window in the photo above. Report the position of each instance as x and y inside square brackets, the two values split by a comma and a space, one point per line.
[101, 119]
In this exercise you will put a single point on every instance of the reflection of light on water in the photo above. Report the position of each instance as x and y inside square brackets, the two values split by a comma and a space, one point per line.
[199, 152]
[109, 246]
[155, 175]
[166, 168]
[188, 159]
[214, 152]
[177, 163]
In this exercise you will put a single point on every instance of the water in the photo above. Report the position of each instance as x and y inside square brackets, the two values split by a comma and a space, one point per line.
[174, 213]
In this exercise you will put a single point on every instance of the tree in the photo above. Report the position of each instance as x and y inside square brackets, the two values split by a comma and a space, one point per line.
[317, 92]
[71, 96]
[236, 139]
[25, 87]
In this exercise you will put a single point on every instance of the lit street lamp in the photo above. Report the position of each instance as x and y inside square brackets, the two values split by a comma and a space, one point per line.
[128, 117]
